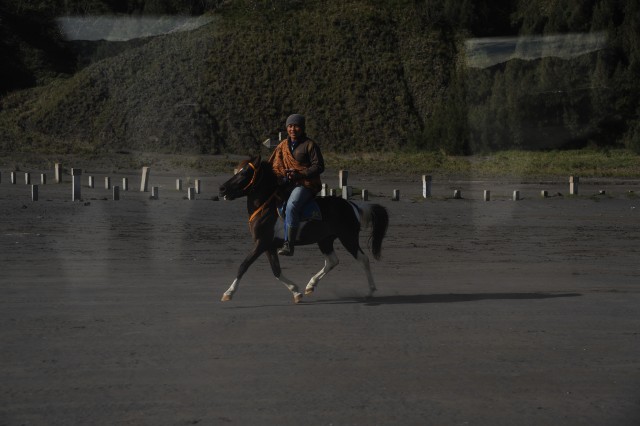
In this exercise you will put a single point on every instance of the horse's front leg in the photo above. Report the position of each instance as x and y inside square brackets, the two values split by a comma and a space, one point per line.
[272, 255]
[251, 257]
[330, 262]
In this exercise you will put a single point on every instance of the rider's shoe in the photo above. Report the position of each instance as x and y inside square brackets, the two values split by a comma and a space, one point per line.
[288, 246]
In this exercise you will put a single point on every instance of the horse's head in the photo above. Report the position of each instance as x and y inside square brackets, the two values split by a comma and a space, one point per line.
[243, 181]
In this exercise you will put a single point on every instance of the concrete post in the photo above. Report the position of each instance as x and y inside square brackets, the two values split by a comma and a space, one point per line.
[125, 184]
[57, 173]
[426, 186]
[76, 175]
[191, 193]
[343, 177]
[365, 195]
[116, 193]
[346, 192]
[107, 182]
[178, 184]
[516, 195]
[154, 193]
[325, 190]
[144, 182]
[13, 178]
[43, 178]
[332, 192]
[457, 194]
[544, 194]
[198, 186]
[573, 185]
[34, 192]
[396, 195]
[487, 195]
[27, 178]
[92, 182]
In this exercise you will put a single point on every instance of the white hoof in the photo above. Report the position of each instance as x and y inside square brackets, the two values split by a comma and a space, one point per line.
[309, 290]
[297, 297]
[226, 297]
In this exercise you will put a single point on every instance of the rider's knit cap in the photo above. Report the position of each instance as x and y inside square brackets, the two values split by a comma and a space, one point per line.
[296, 119]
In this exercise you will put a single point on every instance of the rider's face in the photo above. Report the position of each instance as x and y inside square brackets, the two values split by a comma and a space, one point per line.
[294, 131]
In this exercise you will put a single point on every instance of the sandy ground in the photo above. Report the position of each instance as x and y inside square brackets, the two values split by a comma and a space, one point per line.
[488, 313]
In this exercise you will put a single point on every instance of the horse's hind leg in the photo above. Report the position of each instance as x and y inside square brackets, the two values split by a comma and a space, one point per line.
[353, 247]
[277, 271]
[330, 262]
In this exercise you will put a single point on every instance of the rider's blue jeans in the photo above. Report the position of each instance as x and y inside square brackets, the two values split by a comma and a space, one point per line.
[298, 198]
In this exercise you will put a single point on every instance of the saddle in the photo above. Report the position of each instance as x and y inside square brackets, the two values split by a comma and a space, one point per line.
[310, 211]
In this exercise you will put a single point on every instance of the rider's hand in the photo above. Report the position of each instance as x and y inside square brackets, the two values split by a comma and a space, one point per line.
[293, 175]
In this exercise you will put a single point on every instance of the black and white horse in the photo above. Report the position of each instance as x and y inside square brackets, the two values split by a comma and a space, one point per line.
[341, 219]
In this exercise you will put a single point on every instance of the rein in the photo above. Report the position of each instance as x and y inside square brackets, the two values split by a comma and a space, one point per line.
[251, 183]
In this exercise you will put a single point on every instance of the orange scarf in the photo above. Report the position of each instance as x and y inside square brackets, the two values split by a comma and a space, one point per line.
[282, 160]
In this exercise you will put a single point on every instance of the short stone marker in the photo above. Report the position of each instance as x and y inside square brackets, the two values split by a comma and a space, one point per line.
[125, 184]
[43, 178]
[198, 186]
[178, 184]
[325, 190]
[154, 193]
[544, 194]
[365, 195]
[191, 193]
[457, 194]
[92, 182]
[426, 186]
[144, 182]
[343, 177]
[13, 178]
[573, 185]
[57, 172]
[107, 182]
[396, 195]
[76, 176]
[516, 195]
[487, 195]
[27, 178]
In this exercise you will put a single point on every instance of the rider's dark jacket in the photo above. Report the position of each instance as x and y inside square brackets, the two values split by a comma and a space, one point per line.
[305, 157]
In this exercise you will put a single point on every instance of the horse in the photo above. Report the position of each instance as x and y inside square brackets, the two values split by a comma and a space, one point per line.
[341, 219]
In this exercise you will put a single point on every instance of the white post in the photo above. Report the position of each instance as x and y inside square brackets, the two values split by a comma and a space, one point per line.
[144, 183]
[325, 190]
[345, 192]
[198, 186]
[544, 194]
[13, 178]
[154, 193]
[125, 184]
[426, 186]
[178, 184]
[396, 195]
[43, 178]
[92, 182]
[27, 178]
[457, 194]
[573, 185]
[76, 175]
[365, 195]
[332, 192]
[487, 195]
[191, 193]
[516, 195]
[107, 182]
[58, 175]
[343, 177]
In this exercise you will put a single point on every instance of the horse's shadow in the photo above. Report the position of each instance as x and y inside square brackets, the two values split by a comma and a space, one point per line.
[442, 298]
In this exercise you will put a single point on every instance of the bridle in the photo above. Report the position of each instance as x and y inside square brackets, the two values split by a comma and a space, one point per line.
[253, 178]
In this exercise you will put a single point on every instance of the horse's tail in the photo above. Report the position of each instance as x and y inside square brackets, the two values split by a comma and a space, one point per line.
[376, 216]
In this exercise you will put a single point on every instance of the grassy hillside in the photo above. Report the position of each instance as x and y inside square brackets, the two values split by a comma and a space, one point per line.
[367, 79]
[371, 76]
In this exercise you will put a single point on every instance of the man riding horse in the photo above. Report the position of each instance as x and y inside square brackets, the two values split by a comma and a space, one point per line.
[298, 163]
